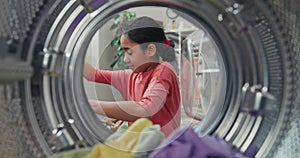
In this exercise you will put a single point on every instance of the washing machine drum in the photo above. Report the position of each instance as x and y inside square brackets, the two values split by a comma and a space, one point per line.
[244, 57]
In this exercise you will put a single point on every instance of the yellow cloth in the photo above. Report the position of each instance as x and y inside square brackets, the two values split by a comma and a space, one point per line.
[122, 146]
[105, 151]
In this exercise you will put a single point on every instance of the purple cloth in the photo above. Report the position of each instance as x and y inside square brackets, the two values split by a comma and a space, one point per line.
[185, 143]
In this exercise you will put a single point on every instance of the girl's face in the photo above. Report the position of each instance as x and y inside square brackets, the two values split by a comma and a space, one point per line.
[134, 56]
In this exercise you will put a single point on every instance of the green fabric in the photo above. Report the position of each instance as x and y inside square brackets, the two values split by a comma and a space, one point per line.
[105, 151]
[118, 133]
[135, 141]
[122, 142]
[127, 139]
[150, 138]
[76, 153]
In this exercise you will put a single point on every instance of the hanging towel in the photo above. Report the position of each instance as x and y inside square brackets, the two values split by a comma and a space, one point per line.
[185, 143]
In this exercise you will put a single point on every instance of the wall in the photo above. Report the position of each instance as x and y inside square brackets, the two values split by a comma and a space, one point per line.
[98, 55]
[159, 13]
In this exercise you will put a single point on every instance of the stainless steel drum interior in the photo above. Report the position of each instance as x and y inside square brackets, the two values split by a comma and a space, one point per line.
[250, 79]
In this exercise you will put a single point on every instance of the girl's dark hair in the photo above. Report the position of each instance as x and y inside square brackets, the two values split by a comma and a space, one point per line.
[145, 30]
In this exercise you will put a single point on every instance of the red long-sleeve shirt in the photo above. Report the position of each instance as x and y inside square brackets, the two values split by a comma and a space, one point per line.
[156, 90]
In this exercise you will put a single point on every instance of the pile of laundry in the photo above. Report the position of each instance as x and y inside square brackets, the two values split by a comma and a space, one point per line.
[143, 139]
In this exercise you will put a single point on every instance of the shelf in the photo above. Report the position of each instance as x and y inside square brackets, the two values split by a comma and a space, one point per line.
[182, 30]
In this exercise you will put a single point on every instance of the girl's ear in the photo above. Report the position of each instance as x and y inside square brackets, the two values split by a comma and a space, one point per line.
[151, 50]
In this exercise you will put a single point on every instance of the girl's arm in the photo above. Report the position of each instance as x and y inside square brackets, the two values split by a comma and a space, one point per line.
[122, 110]
[87, 70]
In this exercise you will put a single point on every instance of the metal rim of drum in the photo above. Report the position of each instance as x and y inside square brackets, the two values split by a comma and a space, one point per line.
[65, 88]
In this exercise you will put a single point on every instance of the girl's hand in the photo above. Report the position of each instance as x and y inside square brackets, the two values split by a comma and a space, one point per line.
[113, 124]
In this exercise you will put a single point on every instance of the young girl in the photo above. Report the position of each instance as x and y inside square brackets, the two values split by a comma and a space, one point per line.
[149, 87]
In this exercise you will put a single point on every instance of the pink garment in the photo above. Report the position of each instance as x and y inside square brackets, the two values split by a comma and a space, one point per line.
[156, 90]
